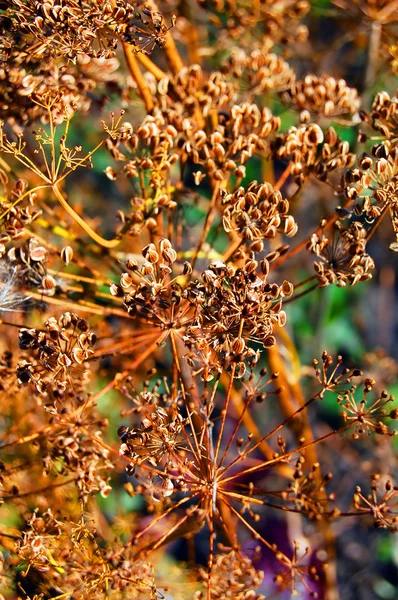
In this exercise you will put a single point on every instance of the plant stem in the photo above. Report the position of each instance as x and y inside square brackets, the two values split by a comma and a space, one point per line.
[138, 77]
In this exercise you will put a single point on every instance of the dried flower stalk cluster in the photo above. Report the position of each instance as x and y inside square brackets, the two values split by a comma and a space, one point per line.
[152, 397]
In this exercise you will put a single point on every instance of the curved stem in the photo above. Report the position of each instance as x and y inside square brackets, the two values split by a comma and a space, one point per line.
[78, 219]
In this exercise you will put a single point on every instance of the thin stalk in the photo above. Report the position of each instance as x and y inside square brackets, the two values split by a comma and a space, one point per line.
[80, 221]
[28, 438]
[281, 457]
[138, 77]
[281, 260]
[303, 293]
[207, 225]
[373, 55]
[224, 416]
[278, 185]
[150, 66]
[40, 490]
[234, 246]
[304, 431]
[79, 305]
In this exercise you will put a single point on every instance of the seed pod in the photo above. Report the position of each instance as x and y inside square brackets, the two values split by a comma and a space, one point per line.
[38, 254]
[238, 345]
[125, 281]
[67, 254]
[365, 161]
[116, 290]
[48, 283]
[110, 173]
[150, 254]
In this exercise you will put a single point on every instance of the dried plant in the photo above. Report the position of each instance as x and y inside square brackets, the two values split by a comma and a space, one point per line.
[184, 195]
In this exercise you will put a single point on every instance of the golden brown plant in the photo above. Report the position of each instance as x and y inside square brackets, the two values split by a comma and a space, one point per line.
[155, 402]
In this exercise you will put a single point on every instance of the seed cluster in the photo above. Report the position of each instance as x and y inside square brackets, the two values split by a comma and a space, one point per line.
[323, 96]
[311, 151]
[236, 307]
[259, 71]
[162, 275]
[61, 350]
[344, 256]
[257, 214]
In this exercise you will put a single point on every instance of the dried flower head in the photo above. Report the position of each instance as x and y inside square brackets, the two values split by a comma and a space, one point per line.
[152, 291]
[61, 350]
[323, 96]
[257, 214]
[237, 307]
[383, 117]
[383, 509]
[159, 435]
[93, 28]
[343, 254]
[368, 416]
[375, 184]
[259, 72]
[233, 577]
[310, 151]
[299, 573]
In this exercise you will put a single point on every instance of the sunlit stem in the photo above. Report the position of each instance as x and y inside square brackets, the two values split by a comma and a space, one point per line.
[78, 219]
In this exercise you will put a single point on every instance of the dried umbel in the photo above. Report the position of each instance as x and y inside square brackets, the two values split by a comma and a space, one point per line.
[61, 351]
[174, 475]
[70, 86]
[64, 50]
[380, 504]
[197, 122]
[236, 307]
[151, 290]
[310, 151]
[300, 572]
[259, 72]
[160, 434]
[365, 415]
[89, 27]
[72, 557]
[191, 90]
[383, 117]
[219, 134]
[257, 214]
[333, 377]
[149, 150]
[234, 577]
[344, 257]
[323, 96]
[75, 449]
[17, 209]
[306, 491]
[379, 176]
